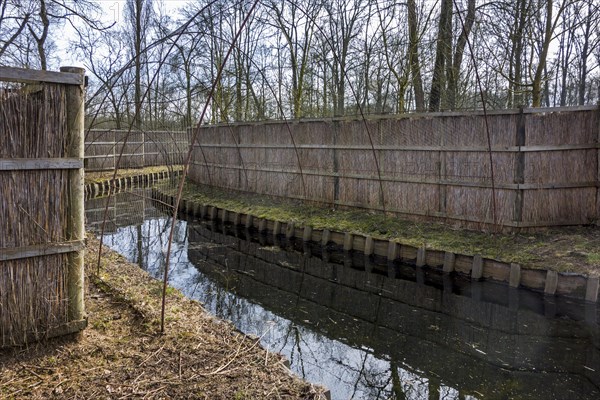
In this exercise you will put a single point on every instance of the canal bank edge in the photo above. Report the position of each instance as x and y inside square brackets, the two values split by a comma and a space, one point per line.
[549, 282]
[104, 187]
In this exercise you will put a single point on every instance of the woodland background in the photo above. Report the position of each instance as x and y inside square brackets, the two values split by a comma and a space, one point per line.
[153, 64]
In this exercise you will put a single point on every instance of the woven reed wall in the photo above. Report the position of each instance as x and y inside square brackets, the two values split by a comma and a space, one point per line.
[142, 149]
[33, 211]
[428, 166]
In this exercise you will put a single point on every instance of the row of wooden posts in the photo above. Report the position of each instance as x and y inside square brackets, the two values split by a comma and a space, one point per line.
[475, 266]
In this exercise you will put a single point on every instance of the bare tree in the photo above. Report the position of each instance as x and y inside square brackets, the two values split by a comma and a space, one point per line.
[442, 56]
[413, 55]
[344, 17]
[37, 22]
[296, 22]
[547, 19]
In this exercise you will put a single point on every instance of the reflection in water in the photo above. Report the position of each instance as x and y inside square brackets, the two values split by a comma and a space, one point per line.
[350, 327]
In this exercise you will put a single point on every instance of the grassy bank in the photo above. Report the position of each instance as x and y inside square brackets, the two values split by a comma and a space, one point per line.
[122, 353]
[569, 249]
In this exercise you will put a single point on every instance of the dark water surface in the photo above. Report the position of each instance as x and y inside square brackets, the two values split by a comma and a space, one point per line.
[368, 330]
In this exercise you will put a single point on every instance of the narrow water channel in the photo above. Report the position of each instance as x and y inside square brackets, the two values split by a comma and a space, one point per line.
[367, 330]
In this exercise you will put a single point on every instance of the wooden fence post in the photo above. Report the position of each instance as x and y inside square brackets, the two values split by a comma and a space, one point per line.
[143, 149]
[336, 172]
[75, 100]
[519, 177]
[442, 175]
[598, 169]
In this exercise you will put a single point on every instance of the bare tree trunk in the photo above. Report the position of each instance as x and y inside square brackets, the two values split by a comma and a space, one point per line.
[41, 39]
[454, 71]
[584, 56]
[516, 95]
[536, 84]
[413, 54]
[137, 49]
[444, 44]
[549, 27]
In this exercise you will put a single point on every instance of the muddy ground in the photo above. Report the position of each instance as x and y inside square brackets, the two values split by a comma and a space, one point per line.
[122, 353]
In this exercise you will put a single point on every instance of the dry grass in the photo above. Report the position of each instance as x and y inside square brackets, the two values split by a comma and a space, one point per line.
[122, 354]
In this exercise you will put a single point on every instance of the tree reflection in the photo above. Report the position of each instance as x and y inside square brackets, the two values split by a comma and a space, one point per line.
[339, 327]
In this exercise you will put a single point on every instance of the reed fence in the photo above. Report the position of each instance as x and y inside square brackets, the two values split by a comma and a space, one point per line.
[526, 168]
[139, 149]
[41, 207]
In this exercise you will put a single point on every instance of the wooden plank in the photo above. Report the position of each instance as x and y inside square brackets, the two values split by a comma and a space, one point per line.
[455, 149]
[591, 290]
[545, 110]
[20, 164]
[557, 185]
[514, 279]
[559, 147]
[598, 167]
[94, 143]
[477, 267]
[24, 75]
[551, 282]
[51, 332]
[38, 250]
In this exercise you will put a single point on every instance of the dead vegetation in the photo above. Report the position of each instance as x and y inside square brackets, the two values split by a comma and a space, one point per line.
[122, 354]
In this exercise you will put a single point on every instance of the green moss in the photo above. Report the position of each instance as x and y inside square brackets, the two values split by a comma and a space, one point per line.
[594, 259]
[566, 249]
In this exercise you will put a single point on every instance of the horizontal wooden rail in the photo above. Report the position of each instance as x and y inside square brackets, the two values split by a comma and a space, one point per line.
[24, 75]
[18, 253]
[457, 149]
[19, 164]
[415, 115]
[120, 142]
[132, 154]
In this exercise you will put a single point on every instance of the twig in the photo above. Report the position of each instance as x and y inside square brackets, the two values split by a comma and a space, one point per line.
[6, 383]
[274, 389]
[60, 383]
[32, 372]
[228, 363]
[180, 365]
[139, 376]
[153, 391]
[267, 357]
[152, 355]
[39, 367]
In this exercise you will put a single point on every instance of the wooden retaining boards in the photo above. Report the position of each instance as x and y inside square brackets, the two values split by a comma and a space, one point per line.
[101, 188]
[478, 268]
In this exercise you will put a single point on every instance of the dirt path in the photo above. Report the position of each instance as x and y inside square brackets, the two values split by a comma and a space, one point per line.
[122, 354]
